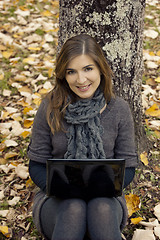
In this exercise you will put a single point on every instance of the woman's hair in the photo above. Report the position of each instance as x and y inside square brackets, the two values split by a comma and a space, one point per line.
[82, 44]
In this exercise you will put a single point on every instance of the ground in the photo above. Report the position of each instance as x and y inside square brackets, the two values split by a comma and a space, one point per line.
[28, 40]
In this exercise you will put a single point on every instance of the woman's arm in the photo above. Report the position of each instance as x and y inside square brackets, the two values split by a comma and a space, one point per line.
[37, 173]
[129, 175]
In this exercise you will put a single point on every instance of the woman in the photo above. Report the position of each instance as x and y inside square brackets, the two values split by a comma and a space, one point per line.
[81, 118]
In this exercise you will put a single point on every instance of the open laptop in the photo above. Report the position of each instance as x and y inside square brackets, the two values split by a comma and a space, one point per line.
[117, 166]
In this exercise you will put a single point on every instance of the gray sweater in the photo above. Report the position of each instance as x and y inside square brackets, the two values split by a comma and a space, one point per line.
[118, 135]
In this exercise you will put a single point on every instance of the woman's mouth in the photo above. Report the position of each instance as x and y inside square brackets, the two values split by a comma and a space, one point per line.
[83, 88]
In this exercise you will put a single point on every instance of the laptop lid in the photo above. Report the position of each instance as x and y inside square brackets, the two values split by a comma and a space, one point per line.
[117, 165]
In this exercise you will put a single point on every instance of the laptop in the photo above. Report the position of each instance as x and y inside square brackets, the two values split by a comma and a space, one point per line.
[117, 167]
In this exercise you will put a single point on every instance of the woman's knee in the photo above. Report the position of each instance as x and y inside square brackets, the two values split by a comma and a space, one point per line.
[74, 206]
[103, 205]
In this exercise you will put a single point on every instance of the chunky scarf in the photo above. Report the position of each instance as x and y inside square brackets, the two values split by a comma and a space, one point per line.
[84, 135]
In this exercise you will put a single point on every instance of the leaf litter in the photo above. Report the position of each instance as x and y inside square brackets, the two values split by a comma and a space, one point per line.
[28, 41]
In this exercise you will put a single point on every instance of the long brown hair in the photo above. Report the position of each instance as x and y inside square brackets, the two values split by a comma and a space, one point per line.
[58, 97]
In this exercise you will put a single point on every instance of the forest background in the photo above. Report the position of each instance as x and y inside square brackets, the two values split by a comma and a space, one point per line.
[28, 42]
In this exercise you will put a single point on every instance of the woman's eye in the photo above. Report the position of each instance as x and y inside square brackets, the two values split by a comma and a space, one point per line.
[70, 72]
[88, 69]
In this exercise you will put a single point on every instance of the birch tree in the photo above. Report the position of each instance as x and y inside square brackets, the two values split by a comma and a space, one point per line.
[117, 25]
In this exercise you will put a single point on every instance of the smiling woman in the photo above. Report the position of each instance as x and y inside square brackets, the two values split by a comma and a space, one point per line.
[81, 119]
[83, 76]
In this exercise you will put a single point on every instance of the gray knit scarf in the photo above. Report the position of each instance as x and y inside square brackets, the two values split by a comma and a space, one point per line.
[84, 135]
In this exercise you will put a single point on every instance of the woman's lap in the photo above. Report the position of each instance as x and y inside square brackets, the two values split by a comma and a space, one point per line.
[50, 208]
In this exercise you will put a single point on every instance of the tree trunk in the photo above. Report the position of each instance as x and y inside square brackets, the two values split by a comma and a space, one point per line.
[117, 25]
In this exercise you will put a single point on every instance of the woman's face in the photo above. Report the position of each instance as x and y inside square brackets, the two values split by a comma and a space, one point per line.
[83, 76]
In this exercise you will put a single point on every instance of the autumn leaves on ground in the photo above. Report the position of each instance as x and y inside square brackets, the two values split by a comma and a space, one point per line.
[28, 39]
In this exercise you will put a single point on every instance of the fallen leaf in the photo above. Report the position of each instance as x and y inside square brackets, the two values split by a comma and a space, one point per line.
[136, 220]
[153, 111]
[4, 213]
[29, 183]
[10, 143]
[5, 231]
[150, 224]
[151, 33]
[22, 171]
[6, 93]
[157, 231]
[7, 54]
[25, 134]
[157, 79]
[29, 60]
[27, 110]
[1, 195]
[46, 13]
[10, 155]
[151, 65]
[14, 201]
[28, 123]
[157, 133]
[144, 158]
[140, 234]
[157, 211]
[133, 203]
[3, 161]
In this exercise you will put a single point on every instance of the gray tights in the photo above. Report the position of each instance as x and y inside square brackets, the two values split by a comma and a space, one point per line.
[70, 219]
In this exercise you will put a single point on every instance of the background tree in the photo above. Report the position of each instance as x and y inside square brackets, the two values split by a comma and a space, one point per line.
[117, 25]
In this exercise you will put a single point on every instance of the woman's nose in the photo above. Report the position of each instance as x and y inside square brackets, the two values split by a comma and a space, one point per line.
[81, 78]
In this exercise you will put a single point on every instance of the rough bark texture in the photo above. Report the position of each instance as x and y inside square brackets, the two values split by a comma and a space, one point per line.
[117, 25]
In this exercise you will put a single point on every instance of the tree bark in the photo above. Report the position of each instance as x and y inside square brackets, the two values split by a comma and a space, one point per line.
[117, 25]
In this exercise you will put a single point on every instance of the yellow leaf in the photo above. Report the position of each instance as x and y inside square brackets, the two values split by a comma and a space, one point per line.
[22, 103]
[55, 4]
[28, 60]
[29, 183]
[4, 115]
[136, 220]
[1, 76]
[158, 53]
[2, 146]
[46, 13]
[2, 47]
[50, 72]
[23, 8]
[144, 158]
[37, 101]
[55, 30]
[34, 48]
[18, 119]
[43, 91]
[5, 231]
[153, 111]
[7, 54]
[3, 161]
[157, 79]
[28, 123]
[157, 133]
[27, 109]
[10, 155]
[24, 89]
[133, 202]
[151, 54]
[25, 134]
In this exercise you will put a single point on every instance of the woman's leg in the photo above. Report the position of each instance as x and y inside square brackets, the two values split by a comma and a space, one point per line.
[104, 217]
[64, 220]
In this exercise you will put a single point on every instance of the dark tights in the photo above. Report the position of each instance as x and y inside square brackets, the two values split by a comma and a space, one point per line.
[70, 219]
